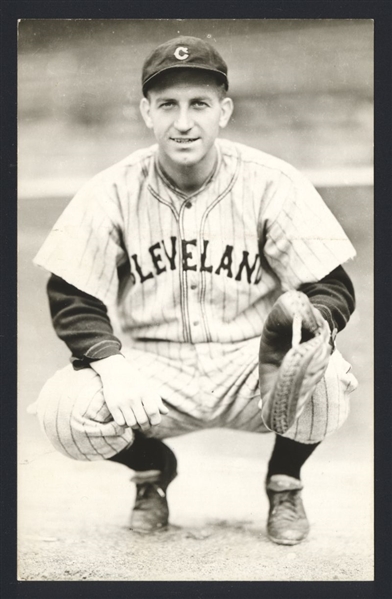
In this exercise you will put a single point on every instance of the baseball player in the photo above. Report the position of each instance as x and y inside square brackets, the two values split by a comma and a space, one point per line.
[198, 283]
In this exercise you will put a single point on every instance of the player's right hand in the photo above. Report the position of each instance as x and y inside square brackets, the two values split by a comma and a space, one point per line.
[128, 394]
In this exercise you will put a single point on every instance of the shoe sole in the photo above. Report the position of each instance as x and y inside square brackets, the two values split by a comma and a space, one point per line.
[142, 531]
[286, 542]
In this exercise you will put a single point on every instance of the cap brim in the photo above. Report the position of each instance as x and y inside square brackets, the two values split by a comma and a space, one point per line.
[186, 66]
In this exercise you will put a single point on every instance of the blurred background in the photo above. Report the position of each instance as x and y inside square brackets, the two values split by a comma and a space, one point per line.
[303, 91]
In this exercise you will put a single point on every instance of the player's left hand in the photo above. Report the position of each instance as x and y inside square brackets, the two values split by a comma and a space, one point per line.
[294, 354]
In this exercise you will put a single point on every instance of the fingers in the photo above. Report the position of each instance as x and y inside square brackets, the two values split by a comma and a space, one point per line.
[130, 418]
[148, 410]
[154, 407]
[118, 417]
[140, 415]
[161, 406]
[151, 408]
[124, 417]
[133, 403]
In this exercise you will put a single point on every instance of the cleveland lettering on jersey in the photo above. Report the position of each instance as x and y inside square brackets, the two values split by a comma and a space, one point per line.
[237, 265]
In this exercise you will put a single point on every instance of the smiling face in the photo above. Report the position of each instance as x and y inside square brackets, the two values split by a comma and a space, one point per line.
[186, 109]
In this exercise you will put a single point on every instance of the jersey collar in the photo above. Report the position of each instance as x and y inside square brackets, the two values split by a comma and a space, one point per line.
[172, 186]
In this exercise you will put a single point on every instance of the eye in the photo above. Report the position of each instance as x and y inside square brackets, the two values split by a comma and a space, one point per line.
[166, 105]
[200, 104]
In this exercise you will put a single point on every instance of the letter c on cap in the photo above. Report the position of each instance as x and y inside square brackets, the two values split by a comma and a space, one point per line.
[181, 53]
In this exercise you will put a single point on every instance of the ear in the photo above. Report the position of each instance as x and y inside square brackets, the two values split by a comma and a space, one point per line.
[145, 112]
[227, 108]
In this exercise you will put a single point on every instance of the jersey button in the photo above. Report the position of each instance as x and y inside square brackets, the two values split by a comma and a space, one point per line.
[188, 205]
[195, 323]
[193, 286]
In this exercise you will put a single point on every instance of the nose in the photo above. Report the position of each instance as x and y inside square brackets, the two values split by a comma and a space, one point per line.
[184, 121]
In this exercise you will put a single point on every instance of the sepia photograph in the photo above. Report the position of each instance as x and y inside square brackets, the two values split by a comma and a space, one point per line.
[195, 300]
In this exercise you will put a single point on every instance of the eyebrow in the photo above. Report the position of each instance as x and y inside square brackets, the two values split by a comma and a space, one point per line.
[171, 99]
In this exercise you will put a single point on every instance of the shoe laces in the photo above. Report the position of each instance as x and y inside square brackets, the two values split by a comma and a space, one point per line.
[145, 490]
[285, 504]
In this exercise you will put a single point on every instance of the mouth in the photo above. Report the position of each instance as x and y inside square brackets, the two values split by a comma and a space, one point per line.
[184, 140]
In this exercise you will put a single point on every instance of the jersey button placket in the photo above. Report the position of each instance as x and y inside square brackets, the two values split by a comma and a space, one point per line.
[194, 306]
[191, 232]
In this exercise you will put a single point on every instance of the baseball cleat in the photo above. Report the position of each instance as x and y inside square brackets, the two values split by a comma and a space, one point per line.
[287, 522]
[151, 511]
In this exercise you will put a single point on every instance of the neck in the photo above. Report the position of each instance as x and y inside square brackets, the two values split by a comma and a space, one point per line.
[189, 178]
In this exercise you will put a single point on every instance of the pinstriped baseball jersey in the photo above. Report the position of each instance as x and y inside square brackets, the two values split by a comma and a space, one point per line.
[200, 268]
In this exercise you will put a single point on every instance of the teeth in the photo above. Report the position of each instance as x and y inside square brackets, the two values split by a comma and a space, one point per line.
[183, 141]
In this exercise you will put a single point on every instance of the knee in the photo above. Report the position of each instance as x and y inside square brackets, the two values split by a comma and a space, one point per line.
[74, 417]
[334, 391]
[59, 405]
[329, 406]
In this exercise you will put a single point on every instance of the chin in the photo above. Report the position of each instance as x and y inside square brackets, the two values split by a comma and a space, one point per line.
[186, 159]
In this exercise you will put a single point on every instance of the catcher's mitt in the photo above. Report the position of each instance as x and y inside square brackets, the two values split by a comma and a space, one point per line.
[294, 354]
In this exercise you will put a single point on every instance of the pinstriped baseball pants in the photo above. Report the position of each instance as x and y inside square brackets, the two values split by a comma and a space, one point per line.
[204, 386]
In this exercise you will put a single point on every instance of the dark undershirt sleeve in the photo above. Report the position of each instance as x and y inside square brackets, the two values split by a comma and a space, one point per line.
[82, 322]
[334, 296]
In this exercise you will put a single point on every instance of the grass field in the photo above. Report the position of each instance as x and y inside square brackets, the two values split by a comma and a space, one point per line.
[73, 516]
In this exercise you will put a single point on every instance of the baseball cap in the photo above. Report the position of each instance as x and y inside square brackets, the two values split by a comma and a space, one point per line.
[183, 52]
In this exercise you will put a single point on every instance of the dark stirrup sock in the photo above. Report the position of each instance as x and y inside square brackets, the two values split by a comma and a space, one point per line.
[288, 457]
[147, 454]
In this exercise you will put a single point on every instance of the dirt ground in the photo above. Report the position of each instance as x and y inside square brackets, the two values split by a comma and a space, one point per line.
[73, 517]
[73, 526]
